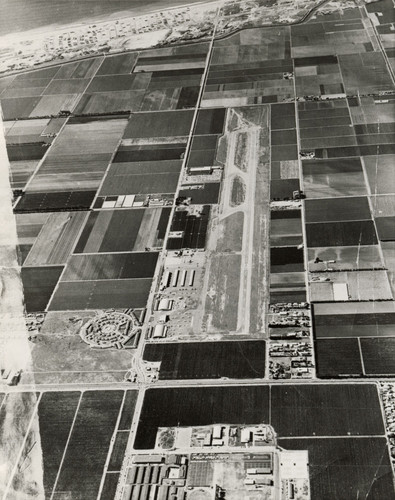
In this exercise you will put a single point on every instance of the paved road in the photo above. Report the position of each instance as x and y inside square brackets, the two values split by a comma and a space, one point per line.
[160, 384]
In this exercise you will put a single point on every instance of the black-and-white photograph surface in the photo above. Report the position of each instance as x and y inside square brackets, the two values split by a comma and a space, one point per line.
[197, 249]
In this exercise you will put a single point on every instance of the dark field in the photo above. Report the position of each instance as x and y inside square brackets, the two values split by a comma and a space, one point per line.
[147, 178]
[150, 153]
[200, 406]
[111, 266]
[118, 451]
[52, 202]
[66, 87]
[283, 153]
[379, 355]
[108, 102]
[110, 486]
[337, 209]
[287, 296]
[286, 259]
[207, 195]
[79, 69]
[114, 83]
[157, 124]
[71, 296]
[102, 225]
[87, 451]
[326, 166]
[348, 468]
[354, 325]
[283, 188]
[208, 359]
[335, 410]
[386, 228]
[38, 286]
[341, 234]
[104, 230]
[194, 229]
[210, 121]
[118, 65]
[338, 357]
[285, 228]
[56, 413]
[34, 151]
[127, 410]
[18, 107]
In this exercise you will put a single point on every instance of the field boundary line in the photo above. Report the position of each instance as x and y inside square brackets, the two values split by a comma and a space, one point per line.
[361, 356]
[111, 447]
[103, 279]
[81, 94]
[66, 447]
[345, 436]
[71, 371]
[129, 446]
[19, 455]
[43, 158]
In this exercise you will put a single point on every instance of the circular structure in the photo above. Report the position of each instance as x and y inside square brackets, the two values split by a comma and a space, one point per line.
[112, 329]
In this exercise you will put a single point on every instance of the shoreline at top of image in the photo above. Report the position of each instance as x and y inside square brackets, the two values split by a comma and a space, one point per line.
[22, 17]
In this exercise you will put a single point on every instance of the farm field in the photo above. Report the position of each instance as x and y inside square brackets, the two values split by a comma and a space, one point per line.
[90, 437]
[54, 201]
[378, 355]
[286, 259]
[56, 238]
[110, 266]
[333, 178]
[350, 257]
[103, 230]
[146, 81]
[38, 285]
[118, 452]
[361, 285]
[355, 338]
[156, 124]
[208, 359]
[81, 167]
[109, 486]
[295, 410]
[337, 209]
[28, 227]
[104, 294]
[199, 406]
[247, 68]
[347, 467]
[335, 410]
[55, 413]
[379, 173]
[147, 177]
[364, 324]
[349, 233]
[285, 228]
[338, 357]
[27, 142]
